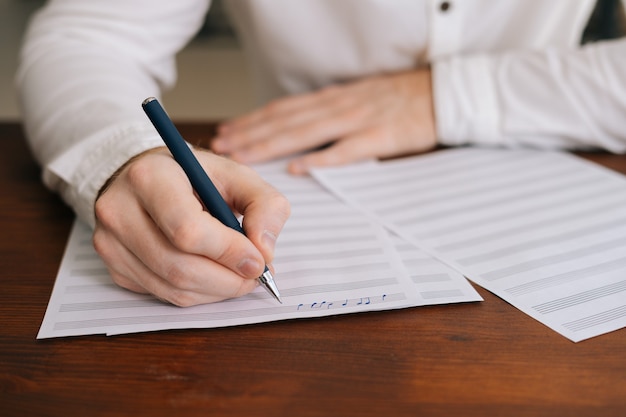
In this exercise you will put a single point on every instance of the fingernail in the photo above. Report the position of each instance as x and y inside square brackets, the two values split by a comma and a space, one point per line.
[249, 267]
[269, 240]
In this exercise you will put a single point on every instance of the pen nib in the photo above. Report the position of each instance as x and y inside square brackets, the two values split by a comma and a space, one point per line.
[267, 281]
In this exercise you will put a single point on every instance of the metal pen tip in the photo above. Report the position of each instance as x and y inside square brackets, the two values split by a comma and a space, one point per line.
[267, 281]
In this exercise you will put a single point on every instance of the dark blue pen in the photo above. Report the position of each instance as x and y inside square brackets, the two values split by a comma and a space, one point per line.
[198, 177]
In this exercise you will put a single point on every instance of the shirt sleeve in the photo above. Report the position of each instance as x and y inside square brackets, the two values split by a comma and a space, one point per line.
[85, 67]
[553, 98]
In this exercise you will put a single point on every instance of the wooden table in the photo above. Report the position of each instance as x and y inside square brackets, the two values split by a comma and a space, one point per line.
[476, 359]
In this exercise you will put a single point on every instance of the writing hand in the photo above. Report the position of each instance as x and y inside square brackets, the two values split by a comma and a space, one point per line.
[381, 116]
[155, 236]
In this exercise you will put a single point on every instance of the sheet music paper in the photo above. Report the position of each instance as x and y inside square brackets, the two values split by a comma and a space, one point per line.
[545, 231]
[329, 260]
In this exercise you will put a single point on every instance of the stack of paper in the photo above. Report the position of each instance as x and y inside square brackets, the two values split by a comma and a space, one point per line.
[329, 260]
[545, 231]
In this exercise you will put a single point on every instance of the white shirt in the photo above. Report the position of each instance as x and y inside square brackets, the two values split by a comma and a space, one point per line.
[505, 73]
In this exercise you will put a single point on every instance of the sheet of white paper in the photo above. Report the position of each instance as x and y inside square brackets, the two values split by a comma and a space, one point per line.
[329, 260]
[433, 281]
[545, 231]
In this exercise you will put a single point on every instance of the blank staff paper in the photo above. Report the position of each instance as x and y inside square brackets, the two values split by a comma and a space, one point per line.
[545, 231]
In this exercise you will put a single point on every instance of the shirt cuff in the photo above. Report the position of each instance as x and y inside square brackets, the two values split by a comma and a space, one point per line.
[85, 168]
[466, 101]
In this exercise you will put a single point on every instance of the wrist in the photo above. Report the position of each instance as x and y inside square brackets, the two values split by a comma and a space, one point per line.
[118, 171]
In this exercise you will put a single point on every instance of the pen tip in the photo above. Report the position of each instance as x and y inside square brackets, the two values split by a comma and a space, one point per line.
[267, 280]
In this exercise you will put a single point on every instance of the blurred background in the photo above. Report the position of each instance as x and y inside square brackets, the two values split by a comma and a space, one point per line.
[213, 80]
[213, 55]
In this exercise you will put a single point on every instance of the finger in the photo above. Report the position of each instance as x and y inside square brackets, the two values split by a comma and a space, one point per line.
[129, 272]
[368, 143]
[263, 220]
[327, 125]
[278, 108]
[277, 118]
[265, 210]
[378, 141]
[143, 254]
[124, 268]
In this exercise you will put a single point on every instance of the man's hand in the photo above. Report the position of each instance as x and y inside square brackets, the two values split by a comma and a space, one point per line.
[381, 116]
[155, 236]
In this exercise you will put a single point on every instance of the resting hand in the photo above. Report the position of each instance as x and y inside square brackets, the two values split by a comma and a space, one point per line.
[381, 116]
[155, 237]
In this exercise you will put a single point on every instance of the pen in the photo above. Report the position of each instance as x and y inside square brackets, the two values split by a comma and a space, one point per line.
[198, 177]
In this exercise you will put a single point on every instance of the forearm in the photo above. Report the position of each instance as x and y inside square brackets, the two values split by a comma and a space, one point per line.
[569, 99]
[84, 70]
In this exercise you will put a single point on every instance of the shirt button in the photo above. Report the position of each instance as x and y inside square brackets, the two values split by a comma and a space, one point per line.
[445, 6]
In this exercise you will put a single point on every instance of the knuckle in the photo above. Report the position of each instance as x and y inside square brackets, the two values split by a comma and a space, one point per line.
[104, 211]
[177, 274]
[139, 173]
[185, 236]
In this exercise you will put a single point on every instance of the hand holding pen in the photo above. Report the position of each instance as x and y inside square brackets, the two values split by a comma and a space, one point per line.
[200, 181]
[155, 235]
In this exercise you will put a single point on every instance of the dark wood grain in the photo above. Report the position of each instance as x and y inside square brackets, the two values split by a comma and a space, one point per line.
[474, 359]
